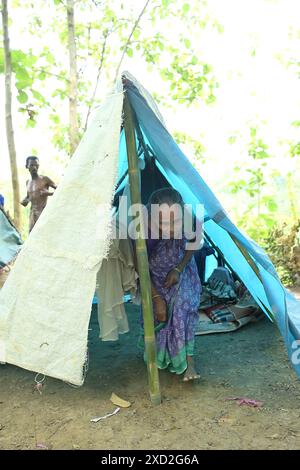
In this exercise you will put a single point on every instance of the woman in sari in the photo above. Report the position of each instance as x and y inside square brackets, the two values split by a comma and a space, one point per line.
[176, 286]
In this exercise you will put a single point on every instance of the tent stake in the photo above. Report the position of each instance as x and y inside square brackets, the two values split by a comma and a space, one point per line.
[142, 256]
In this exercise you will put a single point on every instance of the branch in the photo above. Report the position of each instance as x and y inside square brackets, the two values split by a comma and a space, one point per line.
[97, 4]
[97, 81]
[129, 38]
[83, 67]
[52, 74]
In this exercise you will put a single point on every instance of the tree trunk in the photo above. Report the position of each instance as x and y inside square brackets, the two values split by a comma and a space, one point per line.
[73, 80]
[8, 118]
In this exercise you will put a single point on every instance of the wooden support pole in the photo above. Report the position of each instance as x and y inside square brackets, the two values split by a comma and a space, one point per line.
[142, 256]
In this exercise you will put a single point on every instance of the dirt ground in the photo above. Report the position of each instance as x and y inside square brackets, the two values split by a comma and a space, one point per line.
[251, 362]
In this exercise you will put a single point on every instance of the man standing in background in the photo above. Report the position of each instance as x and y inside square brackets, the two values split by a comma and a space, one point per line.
[37, 190]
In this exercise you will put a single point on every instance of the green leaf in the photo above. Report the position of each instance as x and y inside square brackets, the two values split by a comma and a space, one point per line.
[23, 79]
[136, 34]
[185, 8]
[37, 95]
[206, 69]
[31, 123]
[55, 118]
[295, 150]
[31, 59]
[232, 139]
[129, 51]
[211, 99]
[18, 58]
[187, 43]
[272, 206]
[50, 58]
[22, 97]
[41, 76]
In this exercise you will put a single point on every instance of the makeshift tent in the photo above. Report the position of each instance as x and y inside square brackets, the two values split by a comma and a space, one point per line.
[10, 239]
[45, 329]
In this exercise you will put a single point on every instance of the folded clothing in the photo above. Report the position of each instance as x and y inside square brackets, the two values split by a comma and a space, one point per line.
[219, 313]
[226, 312]
[205, 328]
[222, 316]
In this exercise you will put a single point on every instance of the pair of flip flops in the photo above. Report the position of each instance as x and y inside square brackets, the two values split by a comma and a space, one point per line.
[194, 376]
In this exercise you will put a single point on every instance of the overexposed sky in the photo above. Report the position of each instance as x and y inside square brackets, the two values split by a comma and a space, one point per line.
[255, 89]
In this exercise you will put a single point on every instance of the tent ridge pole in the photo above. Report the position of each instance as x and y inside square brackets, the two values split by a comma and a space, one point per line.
[142, 255]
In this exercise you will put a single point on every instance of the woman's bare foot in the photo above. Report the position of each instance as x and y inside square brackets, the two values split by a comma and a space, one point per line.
[190, 373]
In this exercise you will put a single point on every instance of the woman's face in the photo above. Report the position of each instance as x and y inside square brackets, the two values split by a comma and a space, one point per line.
[167, 220]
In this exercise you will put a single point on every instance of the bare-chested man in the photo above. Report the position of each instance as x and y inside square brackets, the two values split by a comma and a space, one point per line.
[37, 191]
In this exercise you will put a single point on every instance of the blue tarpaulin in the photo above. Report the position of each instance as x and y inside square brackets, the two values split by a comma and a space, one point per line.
[245, 257]
[10, 240]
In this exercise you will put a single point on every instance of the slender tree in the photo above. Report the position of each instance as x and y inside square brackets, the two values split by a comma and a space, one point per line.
[8, 116]
[73, 79]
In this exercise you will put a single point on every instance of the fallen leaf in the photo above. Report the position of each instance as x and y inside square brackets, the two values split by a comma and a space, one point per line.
[119, 401]
[226, 420]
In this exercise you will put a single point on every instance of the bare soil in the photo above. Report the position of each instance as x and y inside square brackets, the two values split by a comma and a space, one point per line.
[251, 362]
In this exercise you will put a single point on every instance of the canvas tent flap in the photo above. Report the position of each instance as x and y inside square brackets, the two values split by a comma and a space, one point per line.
[10, 240]
[44, 321]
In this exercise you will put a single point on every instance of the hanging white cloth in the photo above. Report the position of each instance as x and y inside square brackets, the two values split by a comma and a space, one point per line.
[115, 277]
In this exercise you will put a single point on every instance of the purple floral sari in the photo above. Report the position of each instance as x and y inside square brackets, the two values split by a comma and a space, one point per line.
[176, 339]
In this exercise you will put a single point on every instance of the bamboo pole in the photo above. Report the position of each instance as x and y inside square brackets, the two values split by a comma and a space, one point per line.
[142, 256]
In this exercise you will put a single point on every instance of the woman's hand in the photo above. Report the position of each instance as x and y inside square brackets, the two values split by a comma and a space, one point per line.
[25, 202]
[172, 278]
[160, 309]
